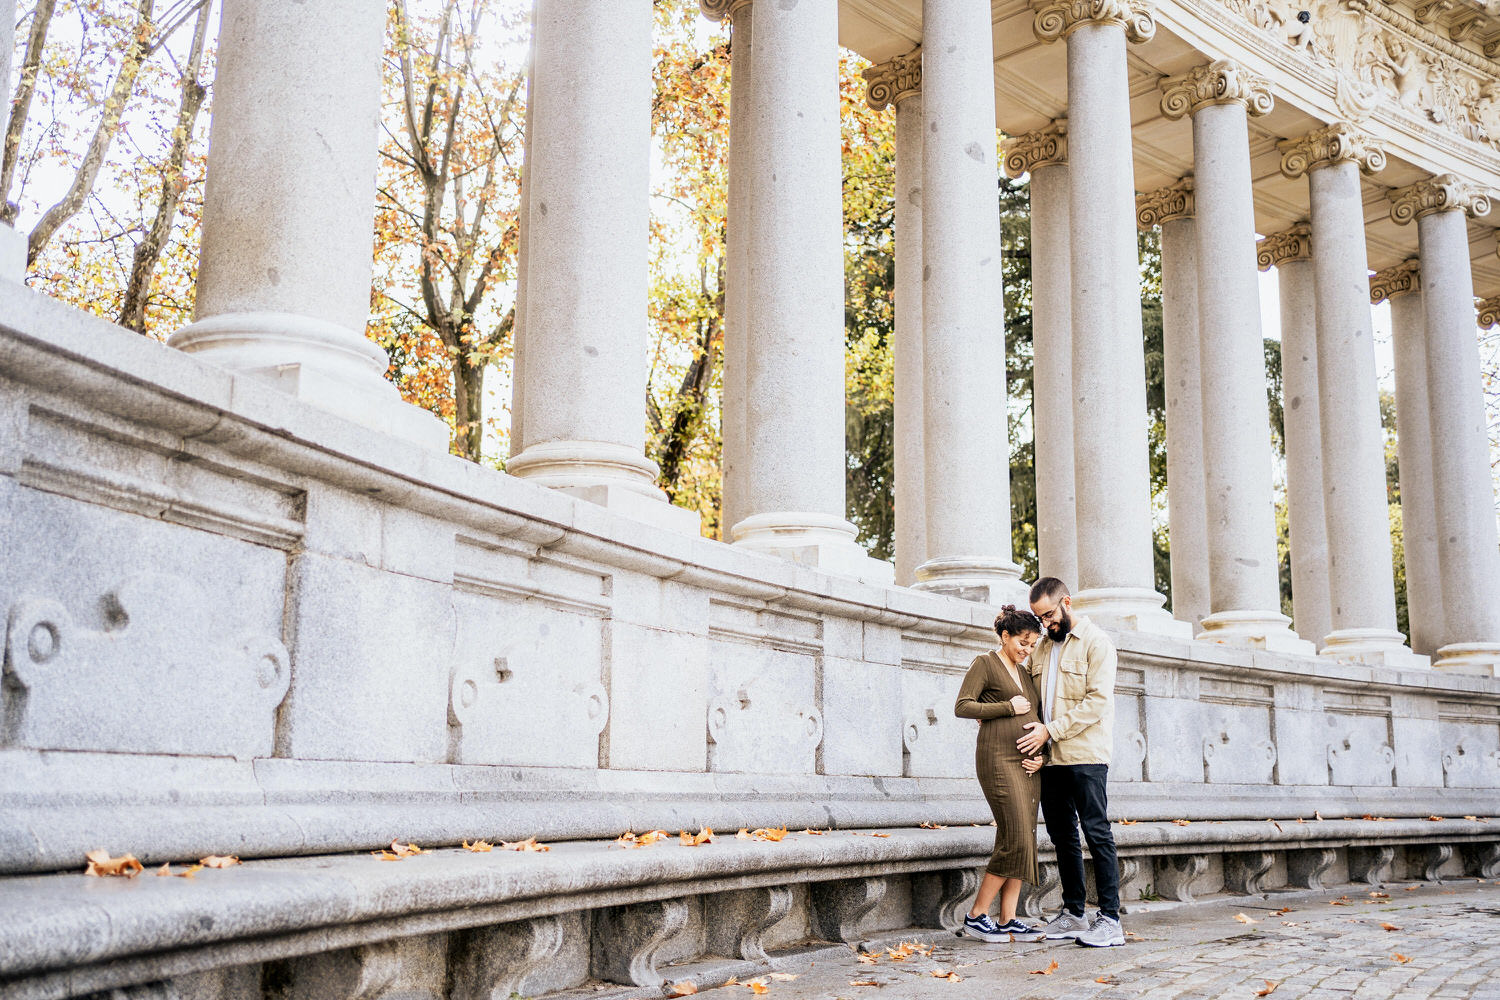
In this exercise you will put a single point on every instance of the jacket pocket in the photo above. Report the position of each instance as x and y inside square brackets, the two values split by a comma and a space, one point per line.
[1072, 679]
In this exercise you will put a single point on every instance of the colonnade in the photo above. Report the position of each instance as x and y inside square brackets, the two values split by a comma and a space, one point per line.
[285, 274]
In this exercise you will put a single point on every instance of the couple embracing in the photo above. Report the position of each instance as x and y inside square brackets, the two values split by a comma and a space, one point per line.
[1045, 701]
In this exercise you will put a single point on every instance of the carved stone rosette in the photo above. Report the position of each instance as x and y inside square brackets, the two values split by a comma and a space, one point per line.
[721, 10]
[1222, 81]
[1057, 18]
[1279, 248]
[1175, 201]
[1043, 148]
[894, 80]
[1403, 279]
[1443, 193]
[1326, 146]
[1489, 312]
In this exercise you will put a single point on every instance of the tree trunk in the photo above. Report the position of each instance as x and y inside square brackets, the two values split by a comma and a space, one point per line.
[468, 409]
[148, 251]
[36, 41]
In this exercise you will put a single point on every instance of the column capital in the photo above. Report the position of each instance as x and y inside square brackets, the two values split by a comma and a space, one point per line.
[1057, 18]
[1280, 248]
[1443, 193]
[1222, 81]
[894, 80]
[1175, 201]
[1044, 147]
[721, 10]
[1394, 282]
[1324, 147]
[1489, 312]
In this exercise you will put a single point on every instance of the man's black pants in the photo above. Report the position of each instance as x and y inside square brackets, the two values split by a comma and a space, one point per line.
[1072, 796]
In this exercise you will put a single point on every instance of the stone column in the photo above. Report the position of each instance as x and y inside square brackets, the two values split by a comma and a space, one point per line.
[12, 243]
[1112, 475]
[1172, 209]
[1360, 583]
[732, 415]
[1464, 494]
[588, 189]
[1401, 287]
[899, 82]
[518, 329]
[1290, 252]
[288, 214]
[1044, 155]
[965, 439]
[1245, 585]
[794, 373]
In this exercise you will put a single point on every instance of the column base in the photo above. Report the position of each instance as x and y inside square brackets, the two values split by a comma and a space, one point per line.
[821, 541]
[1482, 658]
[973, 578]
[12, 254]
[1267, 630]
[316, 361]
[1131, 609]
[570, 465]
[1375, 646]
[639, 507]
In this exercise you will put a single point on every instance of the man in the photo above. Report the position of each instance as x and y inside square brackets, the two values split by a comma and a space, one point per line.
[1074, 667]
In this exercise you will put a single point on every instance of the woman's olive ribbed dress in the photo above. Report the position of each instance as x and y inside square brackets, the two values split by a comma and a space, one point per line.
[1011, 792]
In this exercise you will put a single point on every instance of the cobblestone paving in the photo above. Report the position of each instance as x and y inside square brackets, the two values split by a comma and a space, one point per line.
[1429, 941]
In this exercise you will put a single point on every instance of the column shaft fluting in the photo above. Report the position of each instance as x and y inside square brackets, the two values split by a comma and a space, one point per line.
[1111, 469]
[288, 215]
[1361, 584]
[1244, 582]
[910, 472]
[1043, 155]
[965, 439]
[1401, 287]
[1187, 517]
[1290, 253]
[732, 414]
[588, 189]
[1464, 499]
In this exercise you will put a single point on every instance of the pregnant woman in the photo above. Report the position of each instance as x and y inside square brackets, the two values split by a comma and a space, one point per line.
[998, 691]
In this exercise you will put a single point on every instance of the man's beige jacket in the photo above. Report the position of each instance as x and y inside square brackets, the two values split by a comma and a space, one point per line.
[1082, 713]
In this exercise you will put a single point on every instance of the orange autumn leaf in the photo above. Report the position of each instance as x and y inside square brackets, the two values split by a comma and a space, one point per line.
[219, 861]
[1107, 981]
[1434, 819]
[1270, 988]
[1403, 959]
[744, 834]
[950, 976]
[757, 987]
[187, 872]
[101, 864]
[1242, 918]
[703, 836]
[1380, 895]
[529, 844]
[863, 982]
[1051, 968]
[933, 826]
[1472, 819]
[401, 850]
[479, 846]
[1128, 822]
[774, 835]
[1182, 822]
[732, 981]
[387, 856]
[1389, 927]
[1411, 888]
[866, 958]
[814, 833]
[686, 988]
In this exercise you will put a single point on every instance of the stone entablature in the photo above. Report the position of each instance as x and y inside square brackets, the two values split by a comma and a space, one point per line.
[1281, 248]
[1403, 279]
[1043, 148]
[1445, 193]
[1165, 204]
[1220, 82]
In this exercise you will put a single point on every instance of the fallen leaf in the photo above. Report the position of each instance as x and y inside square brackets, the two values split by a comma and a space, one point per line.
[1375, 894]
[1403, 959]
[1338, 902]
[479, 846]
[782, 977]
[1317, 816]
[949, 975]
[880, 835]
[1132, 934]
[732, 981]
[224, 860]
[1290, 923]
[775, 835]
[529, 844]
[1270, 988]
[1051, 968]
[814, 833]
[1242, 918]
[933, 826]
[1411, 888]
[1283, 911]
[703, 836]
[1472, 819]
[401, 850]
[101, 864]
[863, 982]
[1434, 819]
[1182, 822]
[866, 958]
[757, 987]
[743, 835]
[1389, 927]
[1128, 822]
[1275, 824]
[686, 988]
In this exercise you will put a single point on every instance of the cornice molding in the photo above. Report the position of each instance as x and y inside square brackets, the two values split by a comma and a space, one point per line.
[1175, 201]
[894, 80]
[1059, 18]
[1283, 247]
[1336, 143]
[1042, 148]
[1394, 282]
[1443, 193]
[1222, 81]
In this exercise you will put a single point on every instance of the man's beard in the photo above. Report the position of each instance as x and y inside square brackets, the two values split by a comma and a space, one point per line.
[1058, 630]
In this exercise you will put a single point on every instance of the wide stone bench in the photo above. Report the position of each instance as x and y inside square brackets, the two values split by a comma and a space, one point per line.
[340, 927]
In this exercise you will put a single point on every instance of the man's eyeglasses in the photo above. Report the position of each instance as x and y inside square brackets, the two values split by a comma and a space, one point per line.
[1053, 616]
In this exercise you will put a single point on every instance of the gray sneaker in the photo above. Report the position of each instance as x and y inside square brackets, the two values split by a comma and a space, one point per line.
[1065, 925]
[1104, 932]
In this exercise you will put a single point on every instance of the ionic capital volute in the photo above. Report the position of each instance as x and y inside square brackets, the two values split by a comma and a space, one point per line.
[1324, 147]
[1058, 18]
[894, 80]
[1489, 312]
[1175, 201]
[1280, 248]
[1443, 193]
[1222, 81]
[1045, 147]
[1394, 282]
[721, 10]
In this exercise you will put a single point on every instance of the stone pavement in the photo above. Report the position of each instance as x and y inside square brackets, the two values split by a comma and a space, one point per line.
[1444, 944]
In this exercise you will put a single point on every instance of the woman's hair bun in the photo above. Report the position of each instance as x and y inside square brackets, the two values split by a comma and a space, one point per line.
[1007, 607]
